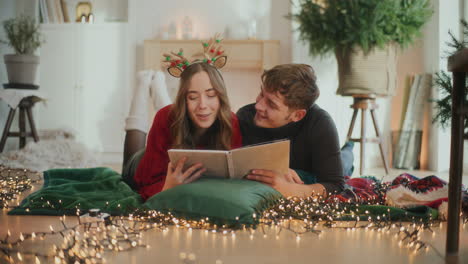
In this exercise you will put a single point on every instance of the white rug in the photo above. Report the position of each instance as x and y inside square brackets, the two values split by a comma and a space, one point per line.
[55, 149]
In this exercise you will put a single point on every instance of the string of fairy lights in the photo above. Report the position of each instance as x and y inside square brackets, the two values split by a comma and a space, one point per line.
[87, 240]
[13, 182]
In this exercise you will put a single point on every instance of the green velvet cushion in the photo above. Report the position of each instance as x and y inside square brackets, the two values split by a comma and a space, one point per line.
[223, 201]
[65, 190]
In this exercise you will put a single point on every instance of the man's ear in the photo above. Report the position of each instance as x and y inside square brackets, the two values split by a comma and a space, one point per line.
[298, 115]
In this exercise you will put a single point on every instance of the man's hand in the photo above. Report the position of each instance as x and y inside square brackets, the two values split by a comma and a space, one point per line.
[286, 184]
[176, 176]
[293, 177]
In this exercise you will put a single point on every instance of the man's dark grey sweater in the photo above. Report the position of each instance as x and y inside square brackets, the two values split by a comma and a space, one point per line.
[314, 143]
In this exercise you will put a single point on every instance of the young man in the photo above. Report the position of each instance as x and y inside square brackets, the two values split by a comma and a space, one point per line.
[285, 108]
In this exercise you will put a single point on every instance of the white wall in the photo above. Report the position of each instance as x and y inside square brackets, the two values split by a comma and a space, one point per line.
[466, 10]
[26, 7]
[281, 29]
[446, 17]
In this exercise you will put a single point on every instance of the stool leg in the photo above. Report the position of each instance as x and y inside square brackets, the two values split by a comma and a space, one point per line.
[377, 132]
[6, 130]
[351, 126]
[363, 140]
[22, 128]
[31, 124]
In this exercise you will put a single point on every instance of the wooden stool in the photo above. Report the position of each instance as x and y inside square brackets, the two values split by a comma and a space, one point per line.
[25, 107]
[364, 102]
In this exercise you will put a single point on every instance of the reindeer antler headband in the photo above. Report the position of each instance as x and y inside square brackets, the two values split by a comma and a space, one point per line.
[213, 54]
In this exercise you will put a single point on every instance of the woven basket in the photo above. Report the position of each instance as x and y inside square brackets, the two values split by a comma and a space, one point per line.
[371, 74]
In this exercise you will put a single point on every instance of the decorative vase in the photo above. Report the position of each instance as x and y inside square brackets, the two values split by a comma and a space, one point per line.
[374, 73]
[21, 69]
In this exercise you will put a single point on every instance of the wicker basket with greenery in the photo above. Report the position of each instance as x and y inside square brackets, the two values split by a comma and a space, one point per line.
[363, 27]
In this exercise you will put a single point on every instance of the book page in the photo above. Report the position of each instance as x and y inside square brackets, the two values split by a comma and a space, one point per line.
[269, 156]
[215, 161]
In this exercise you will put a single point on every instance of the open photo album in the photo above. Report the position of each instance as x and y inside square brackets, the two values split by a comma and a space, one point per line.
[237, 163]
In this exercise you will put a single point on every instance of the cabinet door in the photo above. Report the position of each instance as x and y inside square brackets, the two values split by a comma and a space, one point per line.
[57, 74]
[103, 74]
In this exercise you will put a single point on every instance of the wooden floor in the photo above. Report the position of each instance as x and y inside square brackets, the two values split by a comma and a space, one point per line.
[331, 246]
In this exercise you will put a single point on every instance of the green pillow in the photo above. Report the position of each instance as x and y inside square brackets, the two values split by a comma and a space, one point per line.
[67, 189]
[229, 202]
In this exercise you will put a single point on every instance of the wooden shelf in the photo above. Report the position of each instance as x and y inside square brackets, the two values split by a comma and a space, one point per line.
[242, 54]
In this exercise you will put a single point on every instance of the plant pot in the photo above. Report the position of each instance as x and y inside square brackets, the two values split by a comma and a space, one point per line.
[21, 69]
[374, 73]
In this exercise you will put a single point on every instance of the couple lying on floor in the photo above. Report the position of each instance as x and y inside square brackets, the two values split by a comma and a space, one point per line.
[201, 118]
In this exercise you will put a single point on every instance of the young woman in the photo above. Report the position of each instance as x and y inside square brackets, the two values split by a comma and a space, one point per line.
[199, 118]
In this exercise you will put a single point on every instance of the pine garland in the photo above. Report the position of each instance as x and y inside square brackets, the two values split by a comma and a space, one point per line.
[329, 24]
[443, 81]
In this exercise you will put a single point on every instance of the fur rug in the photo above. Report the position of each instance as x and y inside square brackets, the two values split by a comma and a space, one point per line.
[55, 149]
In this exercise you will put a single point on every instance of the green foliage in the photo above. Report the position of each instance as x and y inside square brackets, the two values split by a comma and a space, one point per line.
[456, 44]
[23, 34]
[443, 82]
[330, 24]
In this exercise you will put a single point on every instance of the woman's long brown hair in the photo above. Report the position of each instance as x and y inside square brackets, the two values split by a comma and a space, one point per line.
[219, 135]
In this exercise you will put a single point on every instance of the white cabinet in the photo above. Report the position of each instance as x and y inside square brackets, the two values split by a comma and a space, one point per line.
[84, 75]
[58, 78]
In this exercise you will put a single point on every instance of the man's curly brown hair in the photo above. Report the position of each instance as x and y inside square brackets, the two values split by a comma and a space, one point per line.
[296, 82]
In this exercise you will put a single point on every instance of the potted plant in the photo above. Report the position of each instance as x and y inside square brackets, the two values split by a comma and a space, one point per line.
[364, 35]
[24, 37]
